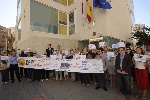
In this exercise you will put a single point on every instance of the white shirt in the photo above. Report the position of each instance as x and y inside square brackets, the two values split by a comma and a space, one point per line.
[139, 65]
[59, 56]
[76, 56]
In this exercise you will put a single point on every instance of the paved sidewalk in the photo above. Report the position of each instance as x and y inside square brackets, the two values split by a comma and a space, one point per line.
[56, 90]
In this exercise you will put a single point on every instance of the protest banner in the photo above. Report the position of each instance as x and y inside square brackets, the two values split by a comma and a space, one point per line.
[4, 57]
[75, 65]
[140, 58]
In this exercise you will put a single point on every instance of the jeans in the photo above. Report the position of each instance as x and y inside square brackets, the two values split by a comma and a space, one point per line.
[101, 79]
[124, 81]
[5, 75]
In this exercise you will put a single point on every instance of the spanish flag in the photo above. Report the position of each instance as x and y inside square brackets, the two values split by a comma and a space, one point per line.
[89, 11]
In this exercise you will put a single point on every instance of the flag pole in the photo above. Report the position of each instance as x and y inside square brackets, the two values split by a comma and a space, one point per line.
[93, 14]
[83, 16]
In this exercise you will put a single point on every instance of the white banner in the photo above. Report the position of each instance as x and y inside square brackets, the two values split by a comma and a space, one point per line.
[79, 65]
[4, 57]
[141, 58]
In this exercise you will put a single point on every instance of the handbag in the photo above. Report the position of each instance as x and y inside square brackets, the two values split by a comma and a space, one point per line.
[3, 67]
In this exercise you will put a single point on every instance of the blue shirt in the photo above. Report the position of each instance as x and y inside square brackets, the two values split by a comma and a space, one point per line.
[13, 60]
[121, 59]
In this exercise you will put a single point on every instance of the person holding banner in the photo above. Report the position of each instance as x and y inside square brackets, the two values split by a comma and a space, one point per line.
[85, 77]
[49, 52]
[141, 74]
[123, 64]
[101, 77]
[58, 57]
[75, 75]
[14, 67]
[5, 70]
[112, 70]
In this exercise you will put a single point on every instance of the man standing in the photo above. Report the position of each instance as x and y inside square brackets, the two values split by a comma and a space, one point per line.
[101, 77]
[123, 66]
[49, 51]
[14, 67]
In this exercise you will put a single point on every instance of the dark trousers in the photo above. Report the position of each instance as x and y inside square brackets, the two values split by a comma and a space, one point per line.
[85, 78]
[25, 73]
[13, 68]
[43, 73]
[36, 74]
[101, 79]
[47, 74]
[21, 71]
[29, 73]
[53, 72]
[5, 75]
[124, 81]
[76, 76]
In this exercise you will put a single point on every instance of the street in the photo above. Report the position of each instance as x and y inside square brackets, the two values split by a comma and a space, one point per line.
[56, 90]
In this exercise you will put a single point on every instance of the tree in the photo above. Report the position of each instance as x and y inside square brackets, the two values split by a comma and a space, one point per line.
[142, 35]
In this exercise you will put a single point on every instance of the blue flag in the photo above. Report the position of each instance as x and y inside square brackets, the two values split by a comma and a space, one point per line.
[102, 4]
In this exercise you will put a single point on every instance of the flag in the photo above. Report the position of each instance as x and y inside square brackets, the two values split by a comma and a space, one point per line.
[96, 3]
[89, 11]
[102, 4]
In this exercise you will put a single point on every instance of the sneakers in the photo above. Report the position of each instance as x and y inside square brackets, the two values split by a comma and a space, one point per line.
[42, 79]
[82, 84]
[6, 82]
[3, 82]
[47, 79]
[88, 85]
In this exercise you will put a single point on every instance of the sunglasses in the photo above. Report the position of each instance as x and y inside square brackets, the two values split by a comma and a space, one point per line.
[121, 50]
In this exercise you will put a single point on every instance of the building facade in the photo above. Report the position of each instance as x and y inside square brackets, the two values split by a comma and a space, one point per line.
[6, 40]
[61, 22]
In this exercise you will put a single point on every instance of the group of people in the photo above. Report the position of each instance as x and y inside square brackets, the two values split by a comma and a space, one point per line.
[122, 67]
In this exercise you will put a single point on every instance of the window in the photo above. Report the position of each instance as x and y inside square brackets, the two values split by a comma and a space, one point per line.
[62, 23]
[62, 18]
[64, 2]
[3, 42]
[19, 9]
[71, 23]
[47, 23]
[3, 36]
[70, 2]
[63, 29]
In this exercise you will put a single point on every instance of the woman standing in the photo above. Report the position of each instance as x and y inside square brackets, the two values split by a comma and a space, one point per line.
[5, 72]
[112, 71]
[141, 74]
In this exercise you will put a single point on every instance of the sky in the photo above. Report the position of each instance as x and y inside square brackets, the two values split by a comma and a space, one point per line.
[8, 12]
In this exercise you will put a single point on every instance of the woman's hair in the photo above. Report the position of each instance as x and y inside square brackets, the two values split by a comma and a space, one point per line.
[141, 50]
